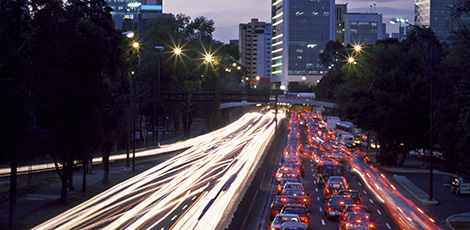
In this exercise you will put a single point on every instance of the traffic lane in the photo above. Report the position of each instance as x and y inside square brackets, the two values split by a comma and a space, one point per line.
[449, 203]
[317, 203]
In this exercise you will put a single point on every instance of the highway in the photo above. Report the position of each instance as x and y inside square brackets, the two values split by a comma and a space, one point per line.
[199, 188]
[196, 189]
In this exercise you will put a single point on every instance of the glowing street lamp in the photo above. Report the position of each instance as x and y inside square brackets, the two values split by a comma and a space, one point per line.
[351, 60]
[135, 45]
[357, 48]
[177, 51]
[208, 58]
[399, 20]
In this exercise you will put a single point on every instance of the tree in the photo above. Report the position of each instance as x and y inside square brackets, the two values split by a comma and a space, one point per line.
[383, 93]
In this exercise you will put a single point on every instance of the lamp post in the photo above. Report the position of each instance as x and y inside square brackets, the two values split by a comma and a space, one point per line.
[399, 20]
[156, 93]
[136, 46]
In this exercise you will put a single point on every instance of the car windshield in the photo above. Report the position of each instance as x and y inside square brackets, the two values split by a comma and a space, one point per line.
[284, 200]
[356, 209]
[336, 180]
[295, 210]
[357, 217]
[282, 219]
[348, 193]
[294, 186]
[341, 200]
[292, 192]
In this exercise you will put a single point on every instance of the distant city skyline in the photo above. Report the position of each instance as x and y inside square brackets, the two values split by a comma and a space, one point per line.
[227, 15]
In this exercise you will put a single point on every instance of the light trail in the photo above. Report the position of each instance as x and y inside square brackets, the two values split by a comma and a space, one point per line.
[213, 168]
[406, 214]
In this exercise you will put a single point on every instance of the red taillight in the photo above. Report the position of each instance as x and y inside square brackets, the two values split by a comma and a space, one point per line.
[305, 200]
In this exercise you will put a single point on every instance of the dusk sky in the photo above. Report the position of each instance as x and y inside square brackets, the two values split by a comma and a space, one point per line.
[228, 14]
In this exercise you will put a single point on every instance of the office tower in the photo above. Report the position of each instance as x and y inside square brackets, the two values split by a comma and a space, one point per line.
[362, 28]
[249, 36]
[300, 31]
[340, 11]
[435, 14]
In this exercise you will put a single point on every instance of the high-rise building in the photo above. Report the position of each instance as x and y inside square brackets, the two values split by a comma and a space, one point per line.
[300, 31]
[363, 28]
[264, 53]
[340, 11]
[248, 38]
[435, 14]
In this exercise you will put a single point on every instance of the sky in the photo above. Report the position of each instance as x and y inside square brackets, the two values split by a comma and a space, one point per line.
[228, 14]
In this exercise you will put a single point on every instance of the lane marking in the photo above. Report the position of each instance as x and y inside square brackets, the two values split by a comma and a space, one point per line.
[322, 222]
[312, 170]
[316, 189]
[311, 166]
[359, 183]
[388, 226]
[321, 210]
[194, 197]
[371, 201]
[185, 206]
[172, 219]
[379, 212]
[364, 192]
[318, 198]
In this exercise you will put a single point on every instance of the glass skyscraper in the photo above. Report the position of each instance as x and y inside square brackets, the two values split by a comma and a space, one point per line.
[435, 14]
[301, 28]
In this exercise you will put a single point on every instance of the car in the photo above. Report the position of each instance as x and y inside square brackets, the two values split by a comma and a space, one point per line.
[293, 226]
[328, 169]
[294, 175]
[278, 203]
[460, 185]
[284, 181]
[283, 218]
[297, 167]
[281, 171]
[356, 209]
[298, 209]
[334, 185]
[336, 204]
[300, 195]
[355, 195]
[293, 185]
[356, 219]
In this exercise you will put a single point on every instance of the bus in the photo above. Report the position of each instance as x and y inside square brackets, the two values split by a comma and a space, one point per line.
[345, 127]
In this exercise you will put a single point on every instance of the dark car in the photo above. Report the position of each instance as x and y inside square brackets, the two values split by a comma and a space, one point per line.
[334, 185]
[325, 171]
[300, 195]
[298, 209]
[336, 204]
[356, 219]
[356, 209]
[461, 185]
[354, 194]
[278, 203]
[283, 218]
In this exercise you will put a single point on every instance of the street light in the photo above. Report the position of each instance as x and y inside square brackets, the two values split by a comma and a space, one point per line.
[208, 58]
[399, 20]
[156, 91]
[135, 45]
[128, 34]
